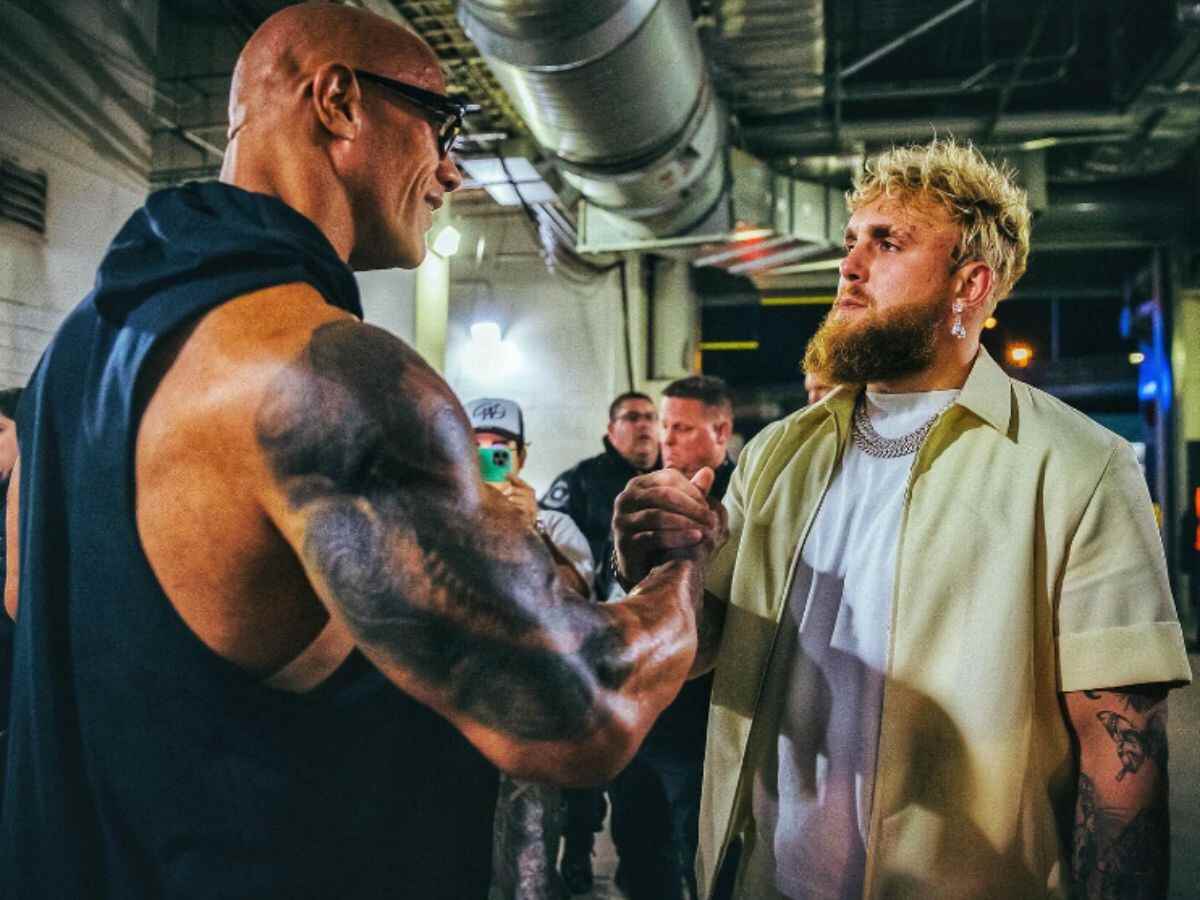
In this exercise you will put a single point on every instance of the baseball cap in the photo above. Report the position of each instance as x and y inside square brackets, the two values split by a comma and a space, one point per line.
[498, 415]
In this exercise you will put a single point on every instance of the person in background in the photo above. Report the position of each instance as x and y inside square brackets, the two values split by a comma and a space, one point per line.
[816, 386]
[528, 823]
[656, 799]
[586, 492]
[942, 627]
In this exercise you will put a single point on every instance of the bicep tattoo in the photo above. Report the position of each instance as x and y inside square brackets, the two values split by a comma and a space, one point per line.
[371, 451]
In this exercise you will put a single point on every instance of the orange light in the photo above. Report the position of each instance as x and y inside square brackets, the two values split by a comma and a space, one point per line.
[1196, 508]
[990, 322]
[1019, 355]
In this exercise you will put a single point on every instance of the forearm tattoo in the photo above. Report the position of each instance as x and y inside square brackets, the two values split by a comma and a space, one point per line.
[369, 447]
[1119, 851]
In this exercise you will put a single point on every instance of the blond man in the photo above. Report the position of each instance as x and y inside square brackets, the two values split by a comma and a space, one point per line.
[942, 628]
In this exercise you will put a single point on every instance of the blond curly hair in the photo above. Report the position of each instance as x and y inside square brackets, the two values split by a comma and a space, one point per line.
[982, 198]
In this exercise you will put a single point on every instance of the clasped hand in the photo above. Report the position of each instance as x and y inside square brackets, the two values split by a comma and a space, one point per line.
[663, 516]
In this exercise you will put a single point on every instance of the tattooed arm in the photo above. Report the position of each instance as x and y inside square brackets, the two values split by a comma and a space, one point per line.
[442, 583]
[1122, 827]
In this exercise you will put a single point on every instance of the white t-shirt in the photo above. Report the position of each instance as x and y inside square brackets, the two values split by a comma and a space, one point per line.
[812, 789]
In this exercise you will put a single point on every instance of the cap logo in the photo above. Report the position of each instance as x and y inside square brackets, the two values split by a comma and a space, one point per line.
[489, 412]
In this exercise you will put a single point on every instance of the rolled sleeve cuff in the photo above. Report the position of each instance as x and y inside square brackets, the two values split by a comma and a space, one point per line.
[1153, 653]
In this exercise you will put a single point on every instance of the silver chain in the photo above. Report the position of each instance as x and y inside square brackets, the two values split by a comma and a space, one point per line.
[872, 443]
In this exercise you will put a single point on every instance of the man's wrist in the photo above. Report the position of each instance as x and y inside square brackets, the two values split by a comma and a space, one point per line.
[615, 570]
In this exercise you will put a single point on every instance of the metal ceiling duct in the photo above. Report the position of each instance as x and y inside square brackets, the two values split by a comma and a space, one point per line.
[618, 92]
[768, 56]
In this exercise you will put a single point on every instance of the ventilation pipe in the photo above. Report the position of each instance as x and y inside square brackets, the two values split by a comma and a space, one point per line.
[618, 93]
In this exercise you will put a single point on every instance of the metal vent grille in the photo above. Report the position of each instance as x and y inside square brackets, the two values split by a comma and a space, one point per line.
[22, 195]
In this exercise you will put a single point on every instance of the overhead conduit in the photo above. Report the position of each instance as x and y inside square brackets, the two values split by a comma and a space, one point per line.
[617, 91]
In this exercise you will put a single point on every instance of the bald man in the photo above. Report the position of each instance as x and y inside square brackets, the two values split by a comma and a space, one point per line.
[274, 636]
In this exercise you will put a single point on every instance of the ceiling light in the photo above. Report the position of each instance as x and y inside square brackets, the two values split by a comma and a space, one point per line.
[1136, 358]
[485, 333]
[816, 266]
[1040, 143]
[1019, 355]
[446, 243]
[990, 323]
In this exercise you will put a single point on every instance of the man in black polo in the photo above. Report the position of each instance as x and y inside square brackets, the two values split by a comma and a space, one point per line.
[656, 799]
[586, 492]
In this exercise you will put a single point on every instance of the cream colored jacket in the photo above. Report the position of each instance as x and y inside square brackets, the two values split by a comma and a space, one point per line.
[1028, 564]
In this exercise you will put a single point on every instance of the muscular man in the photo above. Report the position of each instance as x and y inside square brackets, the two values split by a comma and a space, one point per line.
[273, 633]
[656, 799]
[947, 629]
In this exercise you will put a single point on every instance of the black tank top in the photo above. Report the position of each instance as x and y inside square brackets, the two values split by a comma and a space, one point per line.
[141, 764]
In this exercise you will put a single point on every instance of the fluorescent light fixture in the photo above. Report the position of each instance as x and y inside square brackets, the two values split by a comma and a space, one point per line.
[1040, 143]
[487, 173]
[819, 265]
[488, 169]
[750, 234]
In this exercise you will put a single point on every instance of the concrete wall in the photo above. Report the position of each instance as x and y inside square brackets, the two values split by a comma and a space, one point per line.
[75, 94]
[568, 340]
[388, 299]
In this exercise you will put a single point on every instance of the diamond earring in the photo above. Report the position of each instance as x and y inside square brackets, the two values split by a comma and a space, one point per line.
[957, 328]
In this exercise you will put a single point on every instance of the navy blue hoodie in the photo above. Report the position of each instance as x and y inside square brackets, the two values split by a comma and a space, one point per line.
[141, 764]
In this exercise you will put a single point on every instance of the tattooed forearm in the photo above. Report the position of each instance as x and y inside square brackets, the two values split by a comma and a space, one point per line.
[1115, 859]
[1083, 855]
[489, 658]
[1122, 827]
[429, 570]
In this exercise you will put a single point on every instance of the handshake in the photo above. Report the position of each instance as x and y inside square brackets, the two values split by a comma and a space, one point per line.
[664, 516]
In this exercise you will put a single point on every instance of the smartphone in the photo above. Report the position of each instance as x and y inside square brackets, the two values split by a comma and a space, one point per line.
[495, 463]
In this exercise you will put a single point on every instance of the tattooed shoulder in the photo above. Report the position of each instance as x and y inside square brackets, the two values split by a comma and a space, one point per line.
[356, 406]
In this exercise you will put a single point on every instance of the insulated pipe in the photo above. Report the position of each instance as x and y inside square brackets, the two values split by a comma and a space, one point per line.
[617, 91]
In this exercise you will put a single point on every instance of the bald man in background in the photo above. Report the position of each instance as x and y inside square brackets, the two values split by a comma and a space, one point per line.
[273, 635]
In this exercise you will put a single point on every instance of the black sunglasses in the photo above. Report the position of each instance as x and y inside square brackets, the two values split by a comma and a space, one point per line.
[449, 112]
